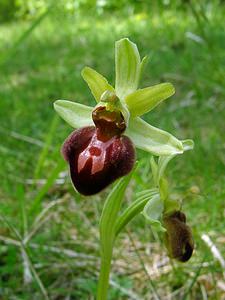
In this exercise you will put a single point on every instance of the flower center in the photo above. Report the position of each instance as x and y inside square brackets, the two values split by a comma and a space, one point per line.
[108, 123]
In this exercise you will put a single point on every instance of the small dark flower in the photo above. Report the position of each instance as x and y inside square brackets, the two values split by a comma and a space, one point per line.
[99, 154]
[178, 237]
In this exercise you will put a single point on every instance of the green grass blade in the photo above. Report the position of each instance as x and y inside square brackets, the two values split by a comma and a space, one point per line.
[50, 181]
[45, 151]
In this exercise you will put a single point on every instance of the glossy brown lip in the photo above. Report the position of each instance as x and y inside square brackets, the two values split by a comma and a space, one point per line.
[99, 155]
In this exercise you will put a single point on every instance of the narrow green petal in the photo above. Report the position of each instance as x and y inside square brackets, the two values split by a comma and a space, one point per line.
[144, 100]
[128, 67]
[75, 114]
[153, 211]
[152, 139]
[96, 82]
[143, 65]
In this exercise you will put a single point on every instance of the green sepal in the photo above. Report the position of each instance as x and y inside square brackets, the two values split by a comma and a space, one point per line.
[75, 114]
[97, 83]
[144, 100]
[152, 139]
[128, 67]
[188, 144]
[153, 212]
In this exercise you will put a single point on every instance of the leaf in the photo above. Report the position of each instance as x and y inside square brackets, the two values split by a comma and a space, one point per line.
[110, 212]
[128, 67]
[153, 211]
[97, 83]
[135, 208]
[75, 114]
[152, 139]
[144, 100]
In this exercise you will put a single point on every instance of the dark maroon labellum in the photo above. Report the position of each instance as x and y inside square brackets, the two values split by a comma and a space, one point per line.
[99, 155]
[178, 238]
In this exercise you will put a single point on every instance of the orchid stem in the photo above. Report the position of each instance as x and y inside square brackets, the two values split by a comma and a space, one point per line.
[103, 282]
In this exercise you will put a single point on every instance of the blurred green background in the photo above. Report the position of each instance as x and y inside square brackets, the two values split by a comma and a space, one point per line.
[43, 47]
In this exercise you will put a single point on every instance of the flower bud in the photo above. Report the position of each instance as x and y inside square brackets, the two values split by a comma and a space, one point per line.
[178, 237]
[99, 155]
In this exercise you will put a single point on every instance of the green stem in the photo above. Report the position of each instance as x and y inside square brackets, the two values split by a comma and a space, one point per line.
[103, 281]
[107, 233]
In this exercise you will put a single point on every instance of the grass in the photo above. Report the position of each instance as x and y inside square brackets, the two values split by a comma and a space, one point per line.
[44, 66]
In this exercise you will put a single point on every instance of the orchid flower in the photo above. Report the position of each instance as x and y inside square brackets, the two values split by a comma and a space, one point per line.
[163, 211]
[102, 149]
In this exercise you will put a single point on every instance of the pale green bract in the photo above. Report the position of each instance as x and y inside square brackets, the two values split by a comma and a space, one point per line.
[161, 202]
[153, 211]
[132, 102]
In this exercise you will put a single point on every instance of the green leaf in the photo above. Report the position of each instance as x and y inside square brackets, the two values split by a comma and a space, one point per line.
[128, 67]
[153, 211]
[75, 114]
[135, 208]
[96, 82]
[144, 100]
[152, 139]
[107, 232]
[110, 212]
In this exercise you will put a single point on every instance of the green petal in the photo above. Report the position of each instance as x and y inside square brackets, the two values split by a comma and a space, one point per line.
[143, 65]
[153, 211]
[144, 100]
[96, 82]
[152, 139]
[75, 114]
[128, 67]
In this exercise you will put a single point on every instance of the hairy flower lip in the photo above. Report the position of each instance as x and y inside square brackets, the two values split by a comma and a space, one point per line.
[178, 237]
[95, 163]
